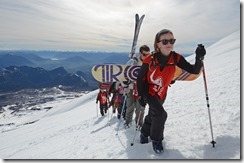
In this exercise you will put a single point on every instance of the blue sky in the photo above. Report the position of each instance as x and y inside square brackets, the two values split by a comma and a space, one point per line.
[108, 25]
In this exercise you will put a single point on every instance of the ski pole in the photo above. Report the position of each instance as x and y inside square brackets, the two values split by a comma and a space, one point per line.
[123, 107]
[208, 105]
[108, 108]
[108, 113]
[137, 126]
[97, 109]
[112, 114]
[112, 104]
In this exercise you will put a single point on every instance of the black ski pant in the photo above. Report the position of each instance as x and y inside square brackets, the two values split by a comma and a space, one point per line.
[103, 108]
[153, 125]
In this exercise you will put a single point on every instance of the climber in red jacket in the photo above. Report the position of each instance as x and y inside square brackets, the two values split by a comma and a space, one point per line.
[153, 80]
[102, 97]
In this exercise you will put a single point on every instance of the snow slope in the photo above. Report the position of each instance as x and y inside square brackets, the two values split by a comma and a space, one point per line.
[72, 130]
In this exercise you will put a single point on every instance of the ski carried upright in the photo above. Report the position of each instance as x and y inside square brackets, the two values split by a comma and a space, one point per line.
[136, 34]
[132, 53]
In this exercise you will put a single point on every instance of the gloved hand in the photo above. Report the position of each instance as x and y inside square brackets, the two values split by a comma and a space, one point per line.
[200, 52]
[126, 83]
[141, 101]
[172, 82]
[96, 102]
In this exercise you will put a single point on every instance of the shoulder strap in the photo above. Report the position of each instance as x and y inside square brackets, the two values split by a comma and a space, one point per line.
[153, 59]
[175, 58]
[135, 59]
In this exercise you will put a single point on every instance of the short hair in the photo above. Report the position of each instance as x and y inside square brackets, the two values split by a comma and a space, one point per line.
[144, 48]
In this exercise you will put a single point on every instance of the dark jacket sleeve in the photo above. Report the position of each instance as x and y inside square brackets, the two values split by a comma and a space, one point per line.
[193, 69]
[141, 75]
[98, 97]
[111, 89]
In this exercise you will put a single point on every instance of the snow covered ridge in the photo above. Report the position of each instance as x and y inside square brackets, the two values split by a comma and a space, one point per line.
[72, 130]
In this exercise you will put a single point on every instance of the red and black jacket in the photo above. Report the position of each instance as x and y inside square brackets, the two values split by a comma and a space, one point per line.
[102, 97]
[158, 71]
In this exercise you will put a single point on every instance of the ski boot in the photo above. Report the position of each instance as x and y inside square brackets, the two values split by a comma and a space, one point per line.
[127, 125]
[118, 116]
[143, 139]
[157, 146]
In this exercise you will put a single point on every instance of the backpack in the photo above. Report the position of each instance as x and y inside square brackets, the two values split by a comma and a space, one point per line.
[118, 98]
[121, 89]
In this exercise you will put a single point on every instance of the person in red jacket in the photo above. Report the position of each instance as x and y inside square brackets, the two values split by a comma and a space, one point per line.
[102, 97]
[153, 80]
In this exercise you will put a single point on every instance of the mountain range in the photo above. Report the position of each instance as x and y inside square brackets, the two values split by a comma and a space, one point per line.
[34, 69]
[71, 61]
[14, 78]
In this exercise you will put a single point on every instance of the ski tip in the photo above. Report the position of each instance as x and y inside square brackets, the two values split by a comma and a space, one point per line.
[137, 17]
[142, 17]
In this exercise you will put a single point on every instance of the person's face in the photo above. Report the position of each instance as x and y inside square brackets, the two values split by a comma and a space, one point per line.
[166, 44]
[144, 54]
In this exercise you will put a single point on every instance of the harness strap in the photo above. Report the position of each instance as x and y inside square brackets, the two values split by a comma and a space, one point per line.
[153, 60]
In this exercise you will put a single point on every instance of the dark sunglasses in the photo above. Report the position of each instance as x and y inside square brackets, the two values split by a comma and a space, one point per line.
[144, 55]
[165, 42]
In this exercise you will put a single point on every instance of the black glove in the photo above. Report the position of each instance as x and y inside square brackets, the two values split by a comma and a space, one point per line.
[126, 84]
[200, 52]
[172, 82]
[96, 101]
[141, 101]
